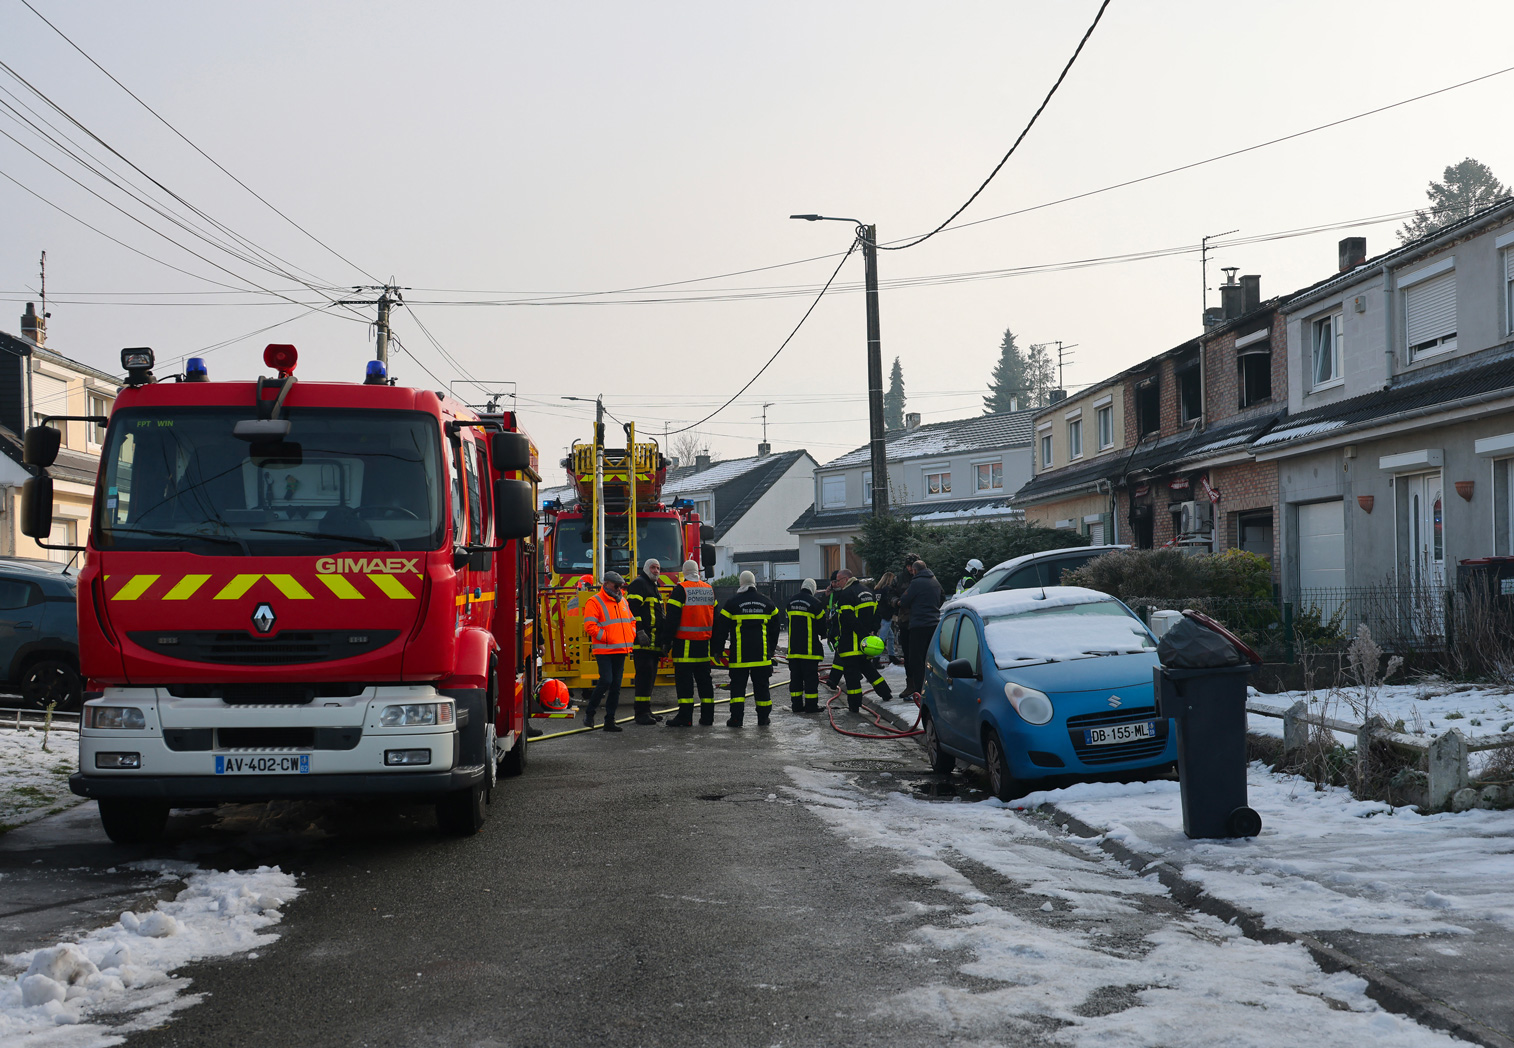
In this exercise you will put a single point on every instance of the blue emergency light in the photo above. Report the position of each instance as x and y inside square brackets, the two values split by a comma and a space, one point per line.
[376, 373]
[196, 371]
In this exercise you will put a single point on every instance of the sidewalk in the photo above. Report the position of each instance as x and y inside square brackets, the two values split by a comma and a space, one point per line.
[1421, 907]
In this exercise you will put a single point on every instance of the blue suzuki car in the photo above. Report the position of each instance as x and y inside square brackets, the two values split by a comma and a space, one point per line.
[1037, 684]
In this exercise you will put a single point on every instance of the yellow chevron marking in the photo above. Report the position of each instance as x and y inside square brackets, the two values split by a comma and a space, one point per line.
[469, 598]
[339, 585]
[135, 587]
[239, 585]
[392, 587]
[185, 587]
[289, 587]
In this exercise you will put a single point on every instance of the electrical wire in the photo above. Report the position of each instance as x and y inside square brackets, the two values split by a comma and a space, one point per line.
[1016, 145]
[161, 119]
[780, 348]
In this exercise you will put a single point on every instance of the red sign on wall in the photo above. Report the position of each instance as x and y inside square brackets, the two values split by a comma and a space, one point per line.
[1178, 483]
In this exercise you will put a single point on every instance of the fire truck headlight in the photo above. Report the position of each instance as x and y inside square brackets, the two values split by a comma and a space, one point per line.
[126, 717]
[412, 714]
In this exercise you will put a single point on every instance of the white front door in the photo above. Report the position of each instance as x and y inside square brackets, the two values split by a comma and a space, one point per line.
[1427, 540]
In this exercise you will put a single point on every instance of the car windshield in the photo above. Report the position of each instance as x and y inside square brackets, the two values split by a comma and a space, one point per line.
[657, 538]
[1065, 631]
[179, 479]
[987, 583]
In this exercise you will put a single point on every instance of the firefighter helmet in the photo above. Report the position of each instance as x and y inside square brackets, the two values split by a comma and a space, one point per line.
[872, 647]
[554, 695]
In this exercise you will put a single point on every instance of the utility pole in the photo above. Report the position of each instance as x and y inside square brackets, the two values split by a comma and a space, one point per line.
[389, 297]
[869, 237]
[384, 302]
[1204, 265]
[599, 488]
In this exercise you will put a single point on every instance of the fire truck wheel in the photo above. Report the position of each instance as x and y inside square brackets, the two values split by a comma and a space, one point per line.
[461, 813]
[514, 762]
[130, 821]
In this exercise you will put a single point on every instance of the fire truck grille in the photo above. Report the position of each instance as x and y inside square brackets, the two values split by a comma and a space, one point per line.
[248, 649]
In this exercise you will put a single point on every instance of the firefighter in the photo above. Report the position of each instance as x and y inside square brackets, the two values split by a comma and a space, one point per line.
[645, 600]
[857, 617]
[806, 624]
[685, 635]
[611, 629]
[749, 621]
[831, 631]
[970, 579]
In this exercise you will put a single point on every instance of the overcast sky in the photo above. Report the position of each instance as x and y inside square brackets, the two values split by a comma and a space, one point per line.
[492, 153]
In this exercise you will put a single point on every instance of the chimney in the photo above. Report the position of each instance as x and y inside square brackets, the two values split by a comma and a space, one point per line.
[702, 461]
[33, 326]
[1353, 252]
[1251, 293]
[1056, 396]
[911, 420]
[1214, 316]
[764, 449]
[1230, 295]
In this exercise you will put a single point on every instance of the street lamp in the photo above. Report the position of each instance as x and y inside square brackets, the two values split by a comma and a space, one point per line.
[869, 237]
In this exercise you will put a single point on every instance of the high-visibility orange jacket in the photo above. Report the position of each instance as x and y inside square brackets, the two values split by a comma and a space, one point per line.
[609, 624]
[689, 621]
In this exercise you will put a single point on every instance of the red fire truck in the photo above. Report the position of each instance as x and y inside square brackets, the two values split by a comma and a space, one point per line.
[316, 589]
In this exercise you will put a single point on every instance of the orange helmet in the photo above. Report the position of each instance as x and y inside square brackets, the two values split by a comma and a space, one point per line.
[554, 695]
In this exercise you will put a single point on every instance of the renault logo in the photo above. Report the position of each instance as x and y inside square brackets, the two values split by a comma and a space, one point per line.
[262, 618]
[1114, 700]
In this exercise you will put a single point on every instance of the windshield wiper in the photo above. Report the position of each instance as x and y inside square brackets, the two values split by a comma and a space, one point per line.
[232, 540]
[372, 540]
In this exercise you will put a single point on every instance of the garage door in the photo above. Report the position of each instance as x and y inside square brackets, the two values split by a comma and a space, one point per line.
[1322, 545]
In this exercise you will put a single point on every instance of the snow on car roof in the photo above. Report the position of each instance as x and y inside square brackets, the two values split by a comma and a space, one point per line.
[1020, 601]
[1027, 558]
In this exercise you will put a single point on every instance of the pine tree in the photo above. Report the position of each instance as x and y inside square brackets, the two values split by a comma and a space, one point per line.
[1469, 186]
[1006, 386]
[893, 400]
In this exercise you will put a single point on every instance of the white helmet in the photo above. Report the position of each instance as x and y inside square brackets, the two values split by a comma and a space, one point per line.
[975, 565]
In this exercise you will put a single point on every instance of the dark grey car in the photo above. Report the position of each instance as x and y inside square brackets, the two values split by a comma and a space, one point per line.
[39, 632]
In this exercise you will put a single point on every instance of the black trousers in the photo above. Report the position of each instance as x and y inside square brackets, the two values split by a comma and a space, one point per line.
[760, 675]
[804, 679]
[689, 675]
[608, 686]
[914, 658]
[860, 668]
[645, 663]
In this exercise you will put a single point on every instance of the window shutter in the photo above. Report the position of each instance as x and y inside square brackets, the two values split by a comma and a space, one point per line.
[1430, 310]
[49, 395]
[1508, 264]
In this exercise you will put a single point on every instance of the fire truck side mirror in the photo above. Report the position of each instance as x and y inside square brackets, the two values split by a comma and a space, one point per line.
[40, 446]
[37, 506]
[707, 556]
[511, 452]
[706, 533]
[514, 508]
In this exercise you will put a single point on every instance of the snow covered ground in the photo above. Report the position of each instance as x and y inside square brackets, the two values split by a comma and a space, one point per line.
[1079, 944]
[33, 781]
[118, 979]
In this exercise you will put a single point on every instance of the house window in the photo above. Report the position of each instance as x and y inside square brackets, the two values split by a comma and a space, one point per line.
[1508, 285]
[1327, 339]
[1148, 407]
[937, 484]
[1190, 390]
[1046, 451]
[1255, 378]
[49, 397]
[833, 490]
[1075, 439]
[706, 510]
[990, 476]
[1105, 416]
[1430, 316]
[98, 405]
[867, 487]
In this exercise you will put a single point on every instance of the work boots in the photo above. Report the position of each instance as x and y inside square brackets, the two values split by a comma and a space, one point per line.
[796, 701]
[685, 716]
[762, 715]
[610, 724]
[812, 704]
[589, 712]
[738, 715]
[882, 690]
[706, 713]
[644, 713]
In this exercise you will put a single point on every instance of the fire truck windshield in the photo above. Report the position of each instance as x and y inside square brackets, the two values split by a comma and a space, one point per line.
[178, 479]
[656, 538]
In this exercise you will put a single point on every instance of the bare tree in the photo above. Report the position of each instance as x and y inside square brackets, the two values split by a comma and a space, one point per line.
[687, 446]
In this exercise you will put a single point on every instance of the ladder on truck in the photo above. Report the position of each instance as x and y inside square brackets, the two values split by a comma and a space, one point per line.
[618, 482]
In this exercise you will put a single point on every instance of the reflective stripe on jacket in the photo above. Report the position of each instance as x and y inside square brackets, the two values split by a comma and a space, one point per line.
[749, 620]
[694, 603]
[857, 618]
[645, 601]
[806, 624]
[609, 625]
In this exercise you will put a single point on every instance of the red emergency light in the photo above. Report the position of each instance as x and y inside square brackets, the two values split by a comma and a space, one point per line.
[282, 357]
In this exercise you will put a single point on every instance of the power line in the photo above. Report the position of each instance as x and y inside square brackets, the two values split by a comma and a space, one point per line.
[191, 145]
[780, 349]
[1016, 145]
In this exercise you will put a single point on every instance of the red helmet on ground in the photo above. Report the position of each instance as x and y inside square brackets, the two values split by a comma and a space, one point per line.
[554, 695]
